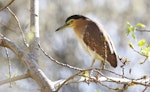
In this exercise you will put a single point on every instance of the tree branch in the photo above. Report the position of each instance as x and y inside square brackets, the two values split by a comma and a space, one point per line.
[66, 81]
[14, 79]
[31, 64]
[34, 28]
[59, 63]
[142, 30]
[144, 82]
[7, 5]
[9, 66]
[19, 25]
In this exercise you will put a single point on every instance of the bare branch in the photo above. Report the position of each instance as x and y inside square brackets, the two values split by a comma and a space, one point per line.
[142, 30]
[31, 64]
[139, 52]
[34, 28]
[9, 65]
[145, 89]
[144, 60]
[7, 5]
[144, 82]
[20, 77]
[59, 63]
[7, 43]
[19, 26]
[68, 79]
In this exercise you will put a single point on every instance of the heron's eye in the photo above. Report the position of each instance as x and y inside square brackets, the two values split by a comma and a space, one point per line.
[70, 22]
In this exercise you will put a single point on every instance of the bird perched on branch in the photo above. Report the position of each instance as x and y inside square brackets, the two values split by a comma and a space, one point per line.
[93, 39]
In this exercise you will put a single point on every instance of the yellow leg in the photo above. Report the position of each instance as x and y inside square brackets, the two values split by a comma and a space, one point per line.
[91, 71]
[93, 61]
[102, 65]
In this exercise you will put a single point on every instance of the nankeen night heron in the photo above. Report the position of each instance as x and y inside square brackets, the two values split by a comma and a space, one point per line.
[93, 39]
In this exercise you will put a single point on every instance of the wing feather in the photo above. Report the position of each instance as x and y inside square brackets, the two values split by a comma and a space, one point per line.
[95, 37]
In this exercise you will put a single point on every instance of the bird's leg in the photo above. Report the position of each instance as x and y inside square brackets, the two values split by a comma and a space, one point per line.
[102, 65]
[93, 61]
[93, 58]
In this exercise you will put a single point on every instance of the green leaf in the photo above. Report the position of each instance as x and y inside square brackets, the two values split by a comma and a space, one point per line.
[141, 43]
[146, 51]
[127, 22]
[98, 90]
[7, 75]
[86, 74]
[128, 30]
[133, 29]
[134, 36]
[30, 36]
[129, 26]
[140, 25]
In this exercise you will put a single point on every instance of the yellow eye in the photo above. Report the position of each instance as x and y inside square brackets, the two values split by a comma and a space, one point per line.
[70, 21]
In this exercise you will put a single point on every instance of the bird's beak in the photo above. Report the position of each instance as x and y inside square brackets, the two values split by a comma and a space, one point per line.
[62, 27]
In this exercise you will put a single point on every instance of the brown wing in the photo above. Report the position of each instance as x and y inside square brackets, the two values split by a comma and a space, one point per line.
[94, 37]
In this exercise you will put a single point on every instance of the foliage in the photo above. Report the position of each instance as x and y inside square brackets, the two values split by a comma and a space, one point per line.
[144, 47]
[132, 29]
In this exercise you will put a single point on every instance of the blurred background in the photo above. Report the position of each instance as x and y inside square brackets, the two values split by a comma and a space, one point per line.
[63, 46]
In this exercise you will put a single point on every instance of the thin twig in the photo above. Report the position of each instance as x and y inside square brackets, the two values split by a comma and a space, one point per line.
[106, 86]
[59, 63]
[146, 57]
[145, 89]
[19, 26]
[110, 72]
[9, 65]
[139, 52]
[117, 74]
[71, 77]
[124, 61]
[125, 86]
[144, 60]
[142, 30]
[102, 75]
[15, 78]
[122, 67]
[7, 5]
